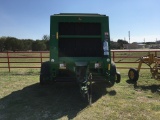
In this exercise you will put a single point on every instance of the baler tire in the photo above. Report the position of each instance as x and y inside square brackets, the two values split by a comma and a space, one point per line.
[112, 74]
[45, 72]
[133, 74]
[118, 77]
[42, 80]
[113, 69]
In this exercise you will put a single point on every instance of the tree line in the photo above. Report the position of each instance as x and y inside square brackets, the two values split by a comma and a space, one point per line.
[14, 44]
[118, 45]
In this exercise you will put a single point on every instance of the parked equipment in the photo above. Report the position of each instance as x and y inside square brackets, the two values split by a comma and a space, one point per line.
[154, 64]
[79, 52]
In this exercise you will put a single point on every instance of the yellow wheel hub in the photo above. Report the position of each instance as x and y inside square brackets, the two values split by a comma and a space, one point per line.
[131, 74]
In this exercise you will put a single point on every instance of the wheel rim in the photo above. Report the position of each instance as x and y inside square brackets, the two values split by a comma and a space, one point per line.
[131, 74]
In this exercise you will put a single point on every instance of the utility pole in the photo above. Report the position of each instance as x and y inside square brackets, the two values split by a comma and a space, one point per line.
[129, 36]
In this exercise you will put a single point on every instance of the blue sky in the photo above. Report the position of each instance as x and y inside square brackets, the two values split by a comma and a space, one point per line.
[31, 18]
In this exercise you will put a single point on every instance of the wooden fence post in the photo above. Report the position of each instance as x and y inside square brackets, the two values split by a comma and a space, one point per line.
[156, 53]
[113, 55]
[8, 61]
[41, 56]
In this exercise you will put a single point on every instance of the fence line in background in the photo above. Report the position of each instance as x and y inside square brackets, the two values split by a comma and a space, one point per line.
[145, 52]
[41, 57]
[9, 57]
[155, 51]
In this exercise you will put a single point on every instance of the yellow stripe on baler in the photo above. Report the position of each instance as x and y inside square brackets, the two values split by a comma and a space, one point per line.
[57, 35]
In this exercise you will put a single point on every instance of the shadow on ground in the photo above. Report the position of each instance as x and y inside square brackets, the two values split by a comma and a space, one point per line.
[53, 101]
[153, 88]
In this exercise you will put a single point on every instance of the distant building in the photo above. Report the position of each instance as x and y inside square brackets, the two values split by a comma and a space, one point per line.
[134, 45]
[156, 45]
[158, 42]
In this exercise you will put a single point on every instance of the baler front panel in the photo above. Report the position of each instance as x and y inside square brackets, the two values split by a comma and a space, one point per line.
[80, 39]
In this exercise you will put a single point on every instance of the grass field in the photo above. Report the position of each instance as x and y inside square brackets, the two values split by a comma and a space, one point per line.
[22, 98]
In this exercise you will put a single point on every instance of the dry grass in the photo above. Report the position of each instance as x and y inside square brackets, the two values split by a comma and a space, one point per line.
[21, 97]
